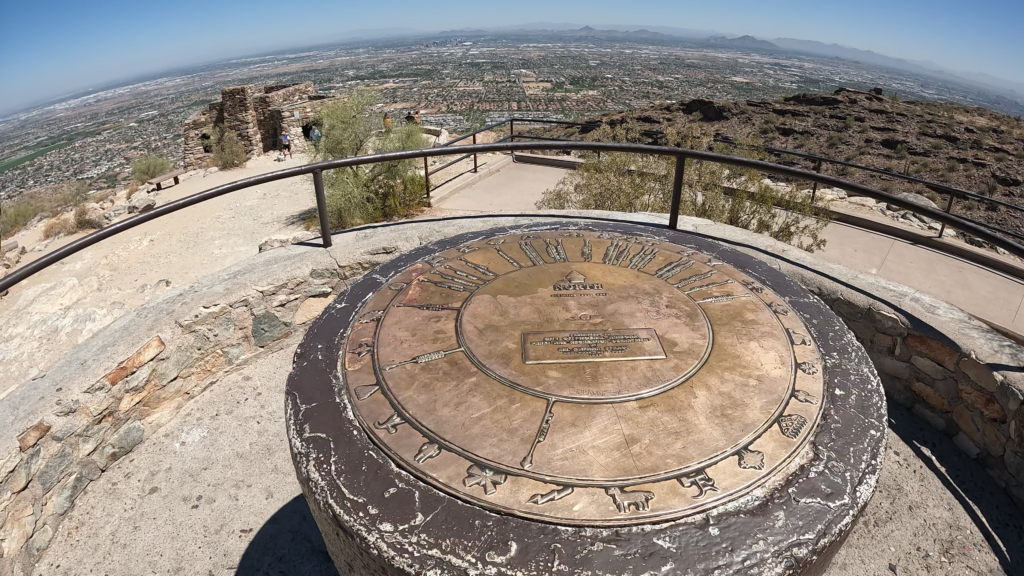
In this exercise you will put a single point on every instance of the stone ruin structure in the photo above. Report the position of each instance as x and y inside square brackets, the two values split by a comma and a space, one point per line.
[258, 116]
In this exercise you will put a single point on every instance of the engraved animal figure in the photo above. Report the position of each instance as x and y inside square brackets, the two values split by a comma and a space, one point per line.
[798, 338]
[699, 480]
[551, 496]
[427, 451]
[625, 500]
[588, 251]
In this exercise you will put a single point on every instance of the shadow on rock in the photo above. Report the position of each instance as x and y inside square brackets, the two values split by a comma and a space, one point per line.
[288, 544]
[987, 505]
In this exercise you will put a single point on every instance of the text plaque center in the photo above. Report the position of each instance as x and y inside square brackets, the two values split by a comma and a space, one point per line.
[565, 346]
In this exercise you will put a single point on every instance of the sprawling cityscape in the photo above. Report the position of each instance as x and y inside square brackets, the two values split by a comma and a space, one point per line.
[454, 81]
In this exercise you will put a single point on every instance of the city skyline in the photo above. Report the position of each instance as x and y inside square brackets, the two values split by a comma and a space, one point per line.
[69, 48]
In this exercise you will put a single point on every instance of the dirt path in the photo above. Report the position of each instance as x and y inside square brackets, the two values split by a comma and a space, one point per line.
[47, 315]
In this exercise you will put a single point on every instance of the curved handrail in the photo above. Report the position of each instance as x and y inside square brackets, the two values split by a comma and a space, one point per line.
[316, 169]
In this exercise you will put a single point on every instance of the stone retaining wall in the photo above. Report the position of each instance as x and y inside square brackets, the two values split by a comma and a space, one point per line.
[121, 385]
[949, 368]
[951, 385]
[61, 454]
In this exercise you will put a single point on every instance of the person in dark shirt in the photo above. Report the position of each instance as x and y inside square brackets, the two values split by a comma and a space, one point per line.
[286, 143]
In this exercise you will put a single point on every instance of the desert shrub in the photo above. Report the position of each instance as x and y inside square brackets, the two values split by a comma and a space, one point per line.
[835, 140]
[132, 189]
[61, 225]
[86, 219]
[901, 151]
[639, 183]
[376, 192]
[848, 123]
[14, 217]
[937, 145]
[150, 167]
[228, 151]
[1002, 157]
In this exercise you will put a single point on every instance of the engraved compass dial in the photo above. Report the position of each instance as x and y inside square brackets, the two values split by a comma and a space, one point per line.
[583, 377]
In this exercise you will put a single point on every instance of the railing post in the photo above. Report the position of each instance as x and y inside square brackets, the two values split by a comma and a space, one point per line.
[949, 209]
[426, 177]
[677, 192]
[512, 134]
[474, 154]
[321, 208]
[814, 191]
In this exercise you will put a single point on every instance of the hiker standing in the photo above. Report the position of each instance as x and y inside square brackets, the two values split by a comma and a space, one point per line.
[286, 143]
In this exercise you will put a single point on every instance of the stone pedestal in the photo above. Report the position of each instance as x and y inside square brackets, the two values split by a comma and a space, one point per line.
[583, 398]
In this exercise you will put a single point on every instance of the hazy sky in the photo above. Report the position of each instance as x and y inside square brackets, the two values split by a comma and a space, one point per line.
[49, 49]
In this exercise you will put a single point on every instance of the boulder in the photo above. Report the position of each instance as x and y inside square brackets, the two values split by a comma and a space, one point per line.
[1006, 180]
[709, 111]
[862, 201]
[209, 171]
[814, 100]
[141, 203]
[280, 240]
[7, 247]
[42, 216]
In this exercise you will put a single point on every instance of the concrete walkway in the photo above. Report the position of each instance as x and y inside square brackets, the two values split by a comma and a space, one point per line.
[991, 296]
[214, 493]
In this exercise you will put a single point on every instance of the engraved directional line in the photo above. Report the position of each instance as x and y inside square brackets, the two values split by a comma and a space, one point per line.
[722, 298]
[531, 253]
[431, 307]
[804, 397]
[672, 268]
[508, 258]
[463, 274]
[708, 286]
[542, 434]
[478, 267]
[555, 250]
[695, 278]
[642, 259]
[424, 358]
[451, 278]
[447, 285]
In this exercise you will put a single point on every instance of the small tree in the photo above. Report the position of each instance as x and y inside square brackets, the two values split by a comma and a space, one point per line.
[149, 167]
[382, 191]
[636, 183]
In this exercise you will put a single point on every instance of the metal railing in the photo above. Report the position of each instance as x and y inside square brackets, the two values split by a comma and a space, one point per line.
[317, 169]
[951, 192]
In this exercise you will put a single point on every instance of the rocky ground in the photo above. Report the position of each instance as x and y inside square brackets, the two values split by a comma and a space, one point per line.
[44, 317]
[970, 148]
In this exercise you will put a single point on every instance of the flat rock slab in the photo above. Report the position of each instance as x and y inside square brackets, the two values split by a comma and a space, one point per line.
[382, 510]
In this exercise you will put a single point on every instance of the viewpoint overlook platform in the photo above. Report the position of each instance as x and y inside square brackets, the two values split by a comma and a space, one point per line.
[179, 455]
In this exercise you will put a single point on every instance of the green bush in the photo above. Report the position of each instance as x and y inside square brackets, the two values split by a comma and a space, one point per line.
[15, 216]
[377, 192]
[228, 151]
[636, 183]
[150, 167]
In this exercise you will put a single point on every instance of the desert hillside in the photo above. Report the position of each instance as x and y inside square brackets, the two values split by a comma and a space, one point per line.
[969, 148]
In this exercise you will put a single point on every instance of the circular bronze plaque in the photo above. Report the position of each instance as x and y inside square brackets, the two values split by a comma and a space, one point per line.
[583, 377]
